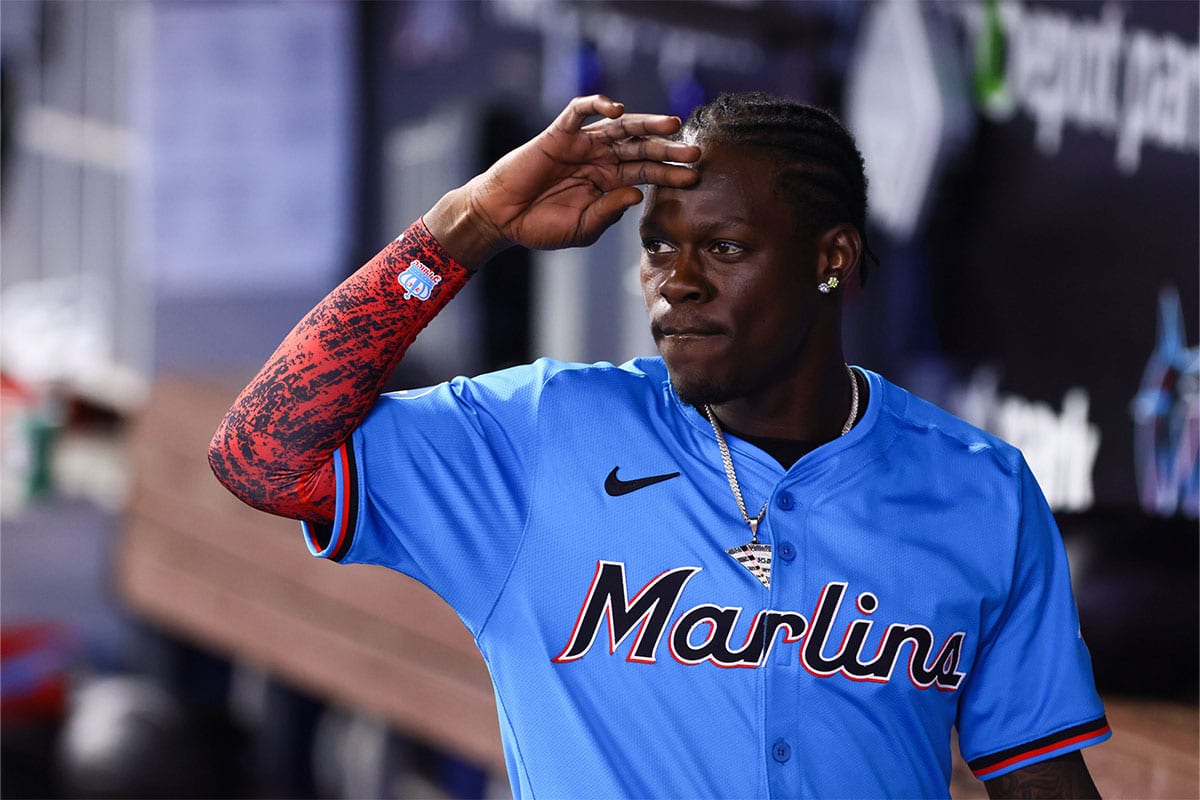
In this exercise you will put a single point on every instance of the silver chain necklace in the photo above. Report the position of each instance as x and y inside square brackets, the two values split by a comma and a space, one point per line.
[754, 555]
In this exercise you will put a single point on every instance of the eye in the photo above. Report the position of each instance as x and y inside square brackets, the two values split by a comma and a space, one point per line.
[724, 248]
[656, 247]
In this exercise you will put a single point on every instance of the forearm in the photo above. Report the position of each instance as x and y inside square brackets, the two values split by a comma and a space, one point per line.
[1065, 776]
[561, 189]
[273, 447]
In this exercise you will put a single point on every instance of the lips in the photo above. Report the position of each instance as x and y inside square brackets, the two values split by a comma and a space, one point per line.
[679, 329]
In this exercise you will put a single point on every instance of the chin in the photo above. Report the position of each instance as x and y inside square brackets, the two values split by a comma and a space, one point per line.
[700, 390]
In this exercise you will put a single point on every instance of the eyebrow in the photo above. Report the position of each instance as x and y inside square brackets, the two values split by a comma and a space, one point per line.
[703, 227]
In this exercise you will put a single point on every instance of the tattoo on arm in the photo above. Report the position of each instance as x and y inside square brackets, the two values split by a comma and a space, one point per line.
[1065, 776]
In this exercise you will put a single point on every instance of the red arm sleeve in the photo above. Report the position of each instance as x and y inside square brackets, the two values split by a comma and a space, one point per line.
[273, 448]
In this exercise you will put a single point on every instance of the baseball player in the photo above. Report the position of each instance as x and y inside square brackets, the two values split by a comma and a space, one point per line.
[742, 568]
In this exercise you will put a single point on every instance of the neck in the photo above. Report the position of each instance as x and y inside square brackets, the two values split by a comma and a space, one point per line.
[812, 404]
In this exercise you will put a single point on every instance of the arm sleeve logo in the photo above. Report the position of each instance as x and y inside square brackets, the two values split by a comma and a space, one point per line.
[418, 281]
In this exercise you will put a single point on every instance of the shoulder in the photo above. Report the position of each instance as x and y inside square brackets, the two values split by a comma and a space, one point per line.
[639, 372]
[548, 376]
[548, 380]
[921, 424]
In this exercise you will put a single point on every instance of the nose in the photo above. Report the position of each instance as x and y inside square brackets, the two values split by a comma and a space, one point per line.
[685, 280]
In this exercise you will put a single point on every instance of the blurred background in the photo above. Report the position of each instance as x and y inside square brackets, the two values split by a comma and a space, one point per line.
[180, 181]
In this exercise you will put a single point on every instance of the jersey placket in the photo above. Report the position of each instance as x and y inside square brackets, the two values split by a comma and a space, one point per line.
[782, 672]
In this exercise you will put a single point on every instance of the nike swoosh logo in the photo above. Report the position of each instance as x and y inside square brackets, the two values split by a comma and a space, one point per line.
[617, 487]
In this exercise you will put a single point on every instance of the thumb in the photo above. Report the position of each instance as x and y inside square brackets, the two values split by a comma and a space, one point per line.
[605, 212]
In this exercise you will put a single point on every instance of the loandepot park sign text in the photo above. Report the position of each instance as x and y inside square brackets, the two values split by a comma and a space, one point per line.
[1138, 86]
[1060, 449]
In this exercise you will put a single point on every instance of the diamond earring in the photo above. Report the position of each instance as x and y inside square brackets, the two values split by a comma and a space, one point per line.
[828, 285]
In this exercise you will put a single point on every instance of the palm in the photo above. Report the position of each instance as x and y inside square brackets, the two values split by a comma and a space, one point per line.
[559, 215]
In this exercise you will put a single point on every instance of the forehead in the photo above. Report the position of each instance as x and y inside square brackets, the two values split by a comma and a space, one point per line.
[735, 183]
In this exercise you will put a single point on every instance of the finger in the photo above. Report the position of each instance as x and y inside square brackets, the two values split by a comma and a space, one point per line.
[656, 149]
[605, 211]
[628, 125]
[634, 173]
[581, 109]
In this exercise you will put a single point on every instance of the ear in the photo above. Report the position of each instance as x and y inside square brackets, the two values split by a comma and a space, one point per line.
[839, 250]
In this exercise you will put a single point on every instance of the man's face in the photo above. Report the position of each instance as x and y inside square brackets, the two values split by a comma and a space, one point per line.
[729, 283]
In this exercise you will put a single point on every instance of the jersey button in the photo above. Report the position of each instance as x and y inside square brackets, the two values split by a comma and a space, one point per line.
[781, 751]
[787, 551]
[785, 501]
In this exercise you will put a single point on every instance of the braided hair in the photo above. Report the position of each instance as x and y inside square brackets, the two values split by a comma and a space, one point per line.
[818, 167]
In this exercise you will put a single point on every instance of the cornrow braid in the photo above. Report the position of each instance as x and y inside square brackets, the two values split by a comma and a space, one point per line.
[819, 168]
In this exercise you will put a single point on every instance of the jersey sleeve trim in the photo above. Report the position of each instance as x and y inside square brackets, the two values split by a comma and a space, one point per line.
[1074, 738]
[333, 542]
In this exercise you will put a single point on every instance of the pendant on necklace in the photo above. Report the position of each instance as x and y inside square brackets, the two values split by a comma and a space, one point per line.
[756, 557]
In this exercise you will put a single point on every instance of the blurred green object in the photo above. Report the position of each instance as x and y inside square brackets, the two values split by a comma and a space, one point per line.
[43, 430]
[991, 54]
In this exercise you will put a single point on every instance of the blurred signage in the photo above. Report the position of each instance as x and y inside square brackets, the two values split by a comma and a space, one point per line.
[1069, 66]
[1060, 447]
[908, 108]
[1075, 205]
[1166, 414]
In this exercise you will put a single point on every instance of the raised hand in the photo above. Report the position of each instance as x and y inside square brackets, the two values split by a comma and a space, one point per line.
[564, 187]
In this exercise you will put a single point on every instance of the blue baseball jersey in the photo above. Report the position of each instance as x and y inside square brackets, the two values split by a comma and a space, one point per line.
[577, 518]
